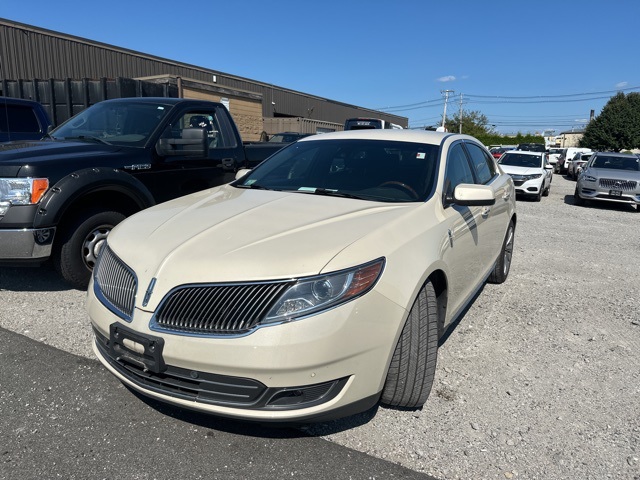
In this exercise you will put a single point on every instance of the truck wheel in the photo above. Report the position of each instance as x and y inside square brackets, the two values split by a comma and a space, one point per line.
[80, 242]
[413, 364]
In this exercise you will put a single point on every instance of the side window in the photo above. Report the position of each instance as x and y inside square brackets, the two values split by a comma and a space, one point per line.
[458, 169]
[483, 164]
[20, 119]
[200, 119]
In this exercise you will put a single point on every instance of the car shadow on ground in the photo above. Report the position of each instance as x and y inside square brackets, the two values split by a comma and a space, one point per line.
[42, 278]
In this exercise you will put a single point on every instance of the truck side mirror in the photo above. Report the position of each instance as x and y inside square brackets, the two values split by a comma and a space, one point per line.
[194, 143]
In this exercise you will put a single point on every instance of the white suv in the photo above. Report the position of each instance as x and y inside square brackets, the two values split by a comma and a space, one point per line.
[530, 171]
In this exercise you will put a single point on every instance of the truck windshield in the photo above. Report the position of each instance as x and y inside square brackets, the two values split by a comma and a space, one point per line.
[117, 124]
[384, 171]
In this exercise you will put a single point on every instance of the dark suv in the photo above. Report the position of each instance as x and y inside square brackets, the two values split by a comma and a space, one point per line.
[22, 120]
[532, 147]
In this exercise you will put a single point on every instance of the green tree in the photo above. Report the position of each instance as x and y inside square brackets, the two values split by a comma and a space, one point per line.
[618, 125]
[474, 123]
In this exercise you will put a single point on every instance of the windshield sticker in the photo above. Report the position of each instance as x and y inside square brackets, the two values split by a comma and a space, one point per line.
[160, 108]
[250, 182]
[421, 155]
[307, 189]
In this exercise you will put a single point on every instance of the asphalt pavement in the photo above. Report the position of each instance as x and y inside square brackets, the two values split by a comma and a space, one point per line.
[65, 416]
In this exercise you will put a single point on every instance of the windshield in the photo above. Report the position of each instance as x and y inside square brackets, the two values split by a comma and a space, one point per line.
[617, 163]
[113, 123]
[376, 170]
[521, 160]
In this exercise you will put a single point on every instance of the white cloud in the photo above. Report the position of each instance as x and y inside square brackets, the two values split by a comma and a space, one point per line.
[448, 78]
[622, 84]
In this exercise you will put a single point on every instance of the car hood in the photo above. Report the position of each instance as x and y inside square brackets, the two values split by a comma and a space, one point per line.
[511, 170]
[615, 174]
[228, 234]
[39, 151]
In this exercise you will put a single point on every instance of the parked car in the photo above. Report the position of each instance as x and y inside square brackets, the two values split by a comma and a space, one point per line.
[287, 137]
[610, 177]
[532, 147]
[566, 156]
[22, 120]
[313, 286]
[552, 155]
[575, 167]
[497, 152]
[530, 171]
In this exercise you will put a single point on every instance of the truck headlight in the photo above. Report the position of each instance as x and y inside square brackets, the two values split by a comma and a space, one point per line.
[21, 191]
[314, 294]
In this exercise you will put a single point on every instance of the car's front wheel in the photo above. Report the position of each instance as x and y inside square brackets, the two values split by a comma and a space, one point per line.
[413, 365]
[577, 199]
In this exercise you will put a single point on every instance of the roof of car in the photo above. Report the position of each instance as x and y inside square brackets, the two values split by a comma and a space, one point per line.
[396, 135]
[524, 152]
[614, 154]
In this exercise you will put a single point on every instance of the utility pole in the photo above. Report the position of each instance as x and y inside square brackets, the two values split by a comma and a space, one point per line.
[446, 98]
[460, 113]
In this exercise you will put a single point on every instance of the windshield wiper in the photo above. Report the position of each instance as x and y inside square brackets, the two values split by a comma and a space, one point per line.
[253, 186]
[332, 193]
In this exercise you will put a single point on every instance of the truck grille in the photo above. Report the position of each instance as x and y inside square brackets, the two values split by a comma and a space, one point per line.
[624, 185]
[115, 284]
[217, 309]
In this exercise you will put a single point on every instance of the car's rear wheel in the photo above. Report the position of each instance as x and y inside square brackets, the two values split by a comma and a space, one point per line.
[503, 264]
[76, 251]
[413, 365]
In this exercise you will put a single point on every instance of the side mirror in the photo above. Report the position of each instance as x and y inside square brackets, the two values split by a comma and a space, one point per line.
[548, 167]
[194, 143]
[470, 195]
[242, 172]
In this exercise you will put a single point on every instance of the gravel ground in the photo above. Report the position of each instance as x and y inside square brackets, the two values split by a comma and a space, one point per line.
[539, 380]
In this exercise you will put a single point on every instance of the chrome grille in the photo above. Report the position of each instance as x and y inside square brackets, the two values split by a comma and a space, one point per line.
[217, 309]
[115, 284]
[624, 185]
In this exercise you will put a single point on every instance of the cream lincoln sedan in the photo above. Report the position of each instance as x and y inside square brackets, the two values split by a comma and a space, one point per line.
[312, 287]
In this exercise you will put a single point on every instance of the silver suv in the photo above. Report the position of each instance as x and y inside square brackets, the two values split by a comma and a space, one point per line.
[610, 177]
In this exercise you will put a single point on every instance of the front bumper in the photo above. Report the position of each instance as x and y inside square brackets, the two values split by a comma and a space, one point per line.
[326, 366]
[594, 192]
[529, 187]
[25, 244]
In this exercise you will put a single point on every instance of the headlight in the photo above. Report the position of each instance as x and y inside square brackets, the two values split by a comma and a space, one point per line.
[531, 177]
[588, 178]
[21, 191]
[314, 294]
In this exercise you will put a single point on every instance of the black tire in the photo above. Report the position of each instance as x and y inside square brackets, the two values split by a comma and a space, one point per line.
[577, 200]
[538, 197]
[413, 365]
[547, 191]
[79, 242]
[503, 264]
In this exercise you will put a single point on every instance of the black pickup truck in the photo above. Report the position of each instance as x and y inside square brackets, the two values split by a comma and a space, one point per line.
[22, 119]
[61, 196]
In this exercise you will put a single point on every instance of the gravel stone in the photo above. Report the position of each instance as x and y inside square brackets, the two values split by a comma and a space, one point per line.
[560, 337]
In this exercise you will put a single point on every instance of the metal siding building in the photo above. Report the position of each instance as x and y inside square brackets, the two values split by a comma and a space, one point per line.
[28, 52]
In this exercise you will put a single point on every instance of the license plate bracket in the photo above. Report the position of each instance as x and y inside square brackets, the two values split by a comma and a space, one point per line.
[145, 351]
[615, 193]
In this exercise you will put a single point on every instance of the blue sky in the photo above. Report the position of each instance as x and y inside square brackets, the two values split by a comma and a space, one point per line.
[566, 57]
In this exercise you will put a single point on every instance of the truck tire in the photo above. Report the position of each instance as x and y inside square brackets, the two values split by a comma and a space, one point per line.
[413, 365]
[80, 241]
